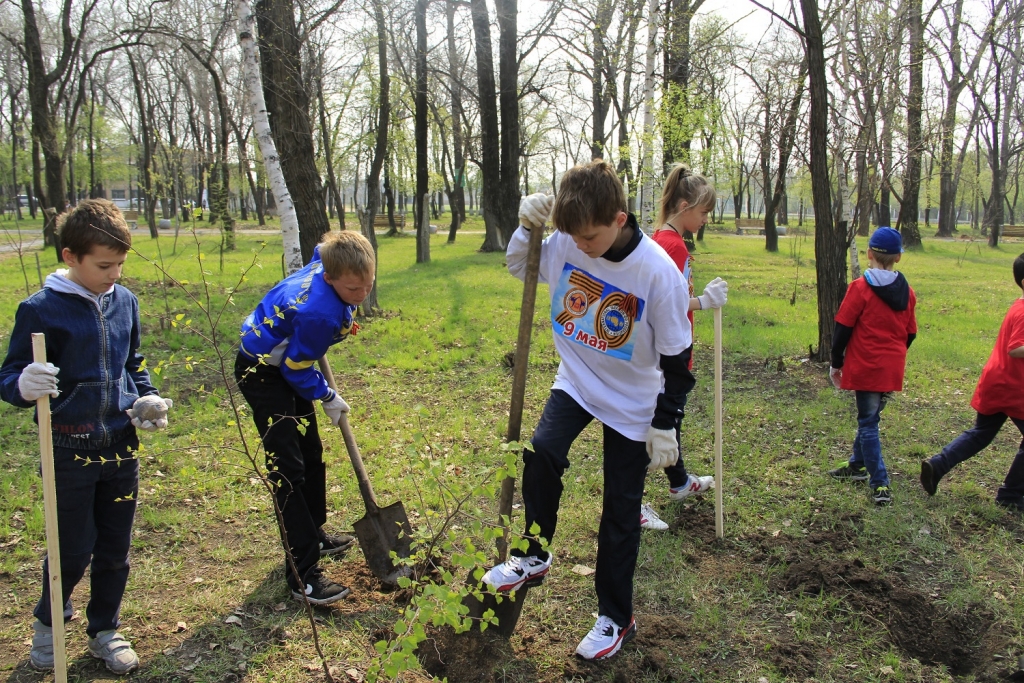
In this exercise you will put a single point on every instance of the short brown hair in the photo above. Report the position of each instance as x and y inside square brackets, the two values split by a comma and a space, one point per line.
[884, 260]
[346, 251]
[93, 222]
[590, 194]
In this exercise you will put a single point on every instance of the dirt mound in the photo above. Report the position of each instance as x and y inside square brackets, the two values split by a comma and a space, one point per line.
[914, 623]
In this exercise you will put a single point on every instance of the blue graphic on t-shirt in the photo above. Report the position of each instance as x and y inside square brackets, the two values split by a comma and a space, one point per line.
[594, 313]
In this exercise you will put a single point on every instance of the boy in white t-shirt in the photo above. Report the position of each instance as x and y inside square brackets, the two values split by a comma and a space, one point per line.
[618, 314]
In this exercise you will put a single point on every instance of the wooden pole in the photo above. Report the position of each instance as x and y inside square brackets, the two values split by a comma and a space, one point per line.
[60, 658]
[719, 522]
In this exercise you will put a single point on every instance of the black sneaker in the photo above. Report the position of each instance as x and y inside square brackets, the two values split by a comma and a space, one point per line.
[333, 544]
[929, 481]
[882, 495]
[1012, 505]
[320, 590]
[847, 473]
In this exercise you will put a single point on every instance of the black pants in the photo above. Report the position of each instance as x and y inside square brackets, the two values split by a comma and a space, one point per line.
[96, 498]
[287, 425]
[625, 466]
[975, 440]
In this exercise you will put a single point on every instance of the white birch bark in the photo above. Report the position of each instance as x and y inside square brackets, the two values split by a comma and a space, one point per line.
[261, 127]
[648, 210]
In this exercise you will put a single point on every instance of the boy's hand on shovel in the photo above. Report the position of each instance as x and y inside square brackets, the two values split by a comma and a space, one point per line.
[335, 408]
[535, 209]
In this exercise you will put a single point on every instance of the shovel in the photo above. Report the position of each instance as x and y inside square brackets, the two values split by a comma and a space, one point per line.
[382, 530]
[511, 606]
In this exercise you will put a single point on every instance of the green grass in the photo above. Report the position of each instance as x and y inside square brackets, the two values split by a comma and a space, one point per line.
[430, 371]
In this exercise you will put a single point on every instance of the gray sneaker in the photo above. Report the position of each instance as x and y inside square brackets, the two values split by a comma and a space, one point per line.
[115, 651]
[41, 655]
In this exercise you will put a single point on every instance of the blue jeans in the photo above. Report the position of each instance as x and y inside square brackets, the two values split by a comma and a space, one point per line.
[867, 447]
[95, 511]
[975, 440]
[625, 467]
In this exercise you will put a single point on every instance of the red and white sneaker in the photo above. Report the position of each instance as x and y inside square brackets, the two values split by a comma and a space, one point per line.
[692, 486]
[515, 572]
[649, 519]
[605, 639]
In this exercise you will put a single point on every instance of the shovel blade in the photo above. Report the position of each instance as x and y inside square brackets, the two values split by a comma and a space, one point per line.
[381, 532]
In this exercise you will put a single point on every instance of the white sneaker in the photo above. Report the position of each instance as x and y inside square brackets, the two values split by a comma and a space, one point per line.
[41, 655]
[514, 572]
[693, 485]
[649, 519]
[605, 639]
[115, 651]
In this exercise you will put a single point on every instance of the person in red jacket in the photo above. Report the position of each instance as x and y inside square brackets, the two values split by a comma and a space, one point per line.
[875, 326]
[999, 395]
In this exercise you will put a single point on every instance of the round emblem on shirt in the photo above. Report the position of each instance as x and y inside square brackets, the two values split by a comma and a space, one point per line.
[575, 301]
[615, 326]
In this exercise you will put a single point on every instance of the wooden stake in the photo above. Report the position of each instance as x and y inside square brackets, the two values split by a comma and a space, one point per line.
[60, 658]
[719, 521]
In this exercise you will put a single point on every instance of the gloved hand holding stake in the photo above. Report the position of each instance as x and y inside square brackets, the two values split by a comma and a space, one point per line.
[535, 209]
[335, 408]
[38, 380]
[716, 294]
[662, 448]
[149, 413]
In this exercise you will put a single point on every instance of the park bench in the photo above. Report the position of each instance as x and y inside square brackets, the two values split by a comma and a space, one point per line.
[131, 218]
[381, 221]
[744, 224]
[1013, 231]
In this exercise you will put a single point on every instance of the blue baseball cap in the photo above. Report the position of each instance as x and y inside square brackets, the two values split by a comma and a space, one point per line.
[886, 241]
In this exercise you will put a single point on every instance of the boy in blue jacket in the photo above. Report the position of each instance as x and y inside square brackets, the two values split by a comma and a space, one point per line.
[92, 339]
[291, 328]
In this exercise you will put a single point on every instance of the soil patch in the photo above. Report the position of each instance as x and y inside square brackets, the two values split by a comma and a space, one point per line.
[914, 623]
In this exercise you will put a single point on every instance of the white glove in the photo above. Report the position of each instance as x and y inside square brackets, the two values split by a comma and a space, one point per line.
[662, 448]
[38, 380]
[335, 408]
[150, 415]
[534, 210]
[836, 375]
[716, 293]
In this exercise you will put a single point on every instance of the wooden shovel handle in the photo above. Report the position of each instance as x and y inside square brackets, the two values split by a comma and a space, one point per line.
[519, 369]
[719, 521]
[365, 488]
[60, 657]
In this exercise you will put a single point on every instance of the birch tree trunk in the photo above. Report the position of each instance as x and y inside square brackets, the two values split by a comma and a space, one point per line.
[261, 127]
[647, 207]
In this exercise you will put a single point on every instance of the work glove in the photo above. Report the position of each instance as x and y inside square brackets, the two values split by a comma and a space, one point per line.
[716, 293]
[149, 413]
[534, 210]
[335, 408]
[836, 375]
[38, 380]
[662, 448]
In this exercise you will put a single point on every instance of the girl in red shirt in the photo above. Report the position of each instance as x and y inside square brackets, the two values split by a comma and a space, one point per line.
[999, 395]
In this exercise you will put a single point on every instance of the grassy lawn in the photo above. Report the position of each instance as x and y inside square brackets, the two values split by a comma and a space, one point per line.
[811, 582]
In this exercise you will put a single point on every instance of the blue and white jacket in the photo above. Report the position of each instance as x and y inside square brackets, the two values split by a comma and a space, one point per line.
[294, 325]
[94, 340]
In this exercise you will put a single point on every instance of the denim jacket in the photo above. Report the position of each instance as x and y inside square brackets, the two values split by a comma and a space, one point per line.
[94, 340]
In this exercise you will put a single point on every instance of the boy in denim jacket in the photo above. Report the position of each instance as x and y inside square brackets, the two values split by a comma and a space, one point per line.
[291, 328]
[92, 339]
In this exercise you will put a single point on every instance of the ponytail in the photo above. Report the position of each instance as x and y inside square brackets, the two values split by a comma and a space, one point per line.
[682, 185]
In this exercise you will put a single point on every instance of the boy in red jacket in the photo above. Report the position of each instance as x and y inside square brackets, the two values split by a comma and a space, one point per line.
[999, 395]
[874, 328]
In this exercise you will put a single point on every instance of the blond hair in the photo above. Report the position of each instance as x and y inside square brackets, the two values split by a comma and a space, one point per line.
[589, 194]
[684, 185]
[346, 252]
[93, 222]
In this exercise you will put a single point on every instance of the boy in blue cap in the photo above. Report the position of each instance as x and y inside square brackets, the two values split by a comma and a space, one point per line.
[875, 326]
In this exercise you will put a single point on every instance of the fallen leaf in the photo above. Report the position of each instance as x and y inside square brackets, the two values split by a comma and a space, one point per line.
[775, 534]
[999, 596]
[887, 670]
[198, 579]
[354, 675]
[280, 607]
[792, 615]
[582, 570]
[180, 626]
[233, 619]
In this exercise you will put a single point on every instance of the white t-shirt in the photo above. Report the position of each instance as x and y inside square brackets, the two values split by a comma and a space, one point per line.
[611, 323]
